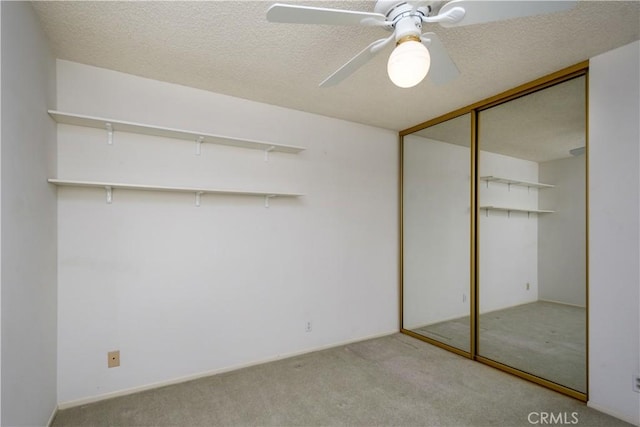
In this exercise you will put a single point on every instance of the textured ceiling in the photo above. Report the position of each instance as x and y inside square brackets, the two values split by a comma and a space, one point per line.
[228, 47]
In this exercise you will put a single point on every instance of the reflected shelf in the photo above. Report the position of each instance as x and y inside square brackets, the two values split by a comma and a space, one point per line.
[519, 183]
[509, 209]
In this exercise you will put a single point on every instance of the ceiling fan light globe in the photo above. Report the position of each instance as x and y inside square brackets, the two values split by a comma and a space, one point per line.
[408, 64]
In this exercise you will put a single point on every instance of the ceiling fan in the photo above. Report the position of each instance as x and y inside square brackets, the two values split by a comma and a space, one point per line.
[411, 60]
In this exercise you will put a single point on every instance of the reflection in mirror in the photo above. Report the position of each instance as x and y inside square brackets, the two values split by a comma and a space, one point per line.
[436, 232]
[532, 234]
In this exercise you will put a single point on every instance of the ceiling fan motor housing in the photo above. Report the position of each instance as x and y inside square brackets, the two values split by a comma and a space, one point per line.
[406, 21]
[394, 8]
[408, 26]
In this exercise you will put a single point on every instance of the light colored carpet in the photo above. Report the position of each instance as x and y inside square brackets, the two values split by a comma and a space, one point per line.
[390, 381]
[542, 338]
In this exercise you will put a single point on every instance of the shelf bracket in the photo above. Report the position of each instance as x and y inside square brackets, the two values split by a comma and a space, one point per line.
[198, 194]
[266, 199]
[109, 128]
[109, 191]
[266, 153]
[199, 142]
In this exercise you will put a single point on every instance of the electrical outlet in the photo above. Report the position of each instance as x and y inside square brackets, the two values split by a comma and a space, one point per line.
[464, 297]
[113, 359]
[528, 286]
[636, 383]
[307, 327]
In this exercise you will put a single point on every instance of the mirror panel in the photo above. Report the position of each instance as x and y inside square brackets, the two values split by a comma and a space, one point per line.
[532, 233]
[436, 232]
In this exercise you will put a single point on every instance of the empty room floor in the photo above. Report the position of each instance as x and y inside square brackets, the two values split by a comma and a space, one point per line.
[394, 380]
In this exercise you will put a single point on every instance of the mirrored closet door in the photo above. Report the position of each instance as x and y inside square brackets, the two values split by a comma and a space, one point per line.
[436, 222]
[532, 233]
[494, 231]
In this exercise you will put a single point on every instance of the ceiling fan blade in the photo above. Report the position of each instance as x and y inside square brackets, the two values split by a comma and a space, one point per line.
[442, 69]
[480, 11]
[356, 62]
[293, 14]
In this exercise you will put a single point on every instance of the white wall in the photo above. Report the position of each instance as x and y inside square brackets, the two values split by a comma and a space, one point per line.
[183, 291]
[436, 231]
[614, 237]
[508, 242]
[28, 241]
[561, 235]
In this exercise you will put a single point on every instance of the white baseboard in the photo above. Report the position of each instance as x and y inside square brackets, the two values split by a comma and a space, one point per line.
[53, 415]
[105, 396]
[608, 411]
[562, 303]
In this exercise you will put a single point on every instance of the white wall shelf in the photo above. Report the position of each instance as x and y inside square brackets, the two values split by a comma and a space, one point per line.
[508, 181]
[110, 126]
[110, 186]
[509, 210]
